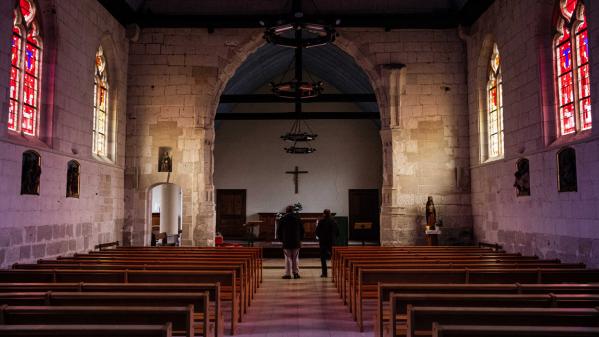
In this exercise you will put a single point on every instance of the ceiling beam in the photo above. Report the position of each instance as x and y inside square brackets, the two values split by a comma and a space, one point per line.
[270, 98]
[387, 21]
[472, 10]
[120, 10]
[225, 116]
[468, 14]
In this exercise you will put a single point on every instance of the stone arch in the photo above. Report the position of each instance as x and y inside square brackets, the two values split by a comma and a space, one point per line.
[176, 187]
[379, 80]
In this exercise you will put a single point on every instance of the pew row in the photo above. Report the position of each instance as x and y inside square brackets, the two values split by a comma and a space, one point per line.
[91, 330]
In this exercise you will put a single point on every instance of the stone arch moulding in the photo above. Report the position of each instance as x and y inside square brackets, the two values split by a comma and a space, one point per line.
[380, 78]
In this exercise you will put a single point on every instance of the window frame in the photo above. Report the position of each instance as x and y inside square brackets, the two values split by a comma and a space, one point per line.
[29, 29]
[101, 81]
[572, 25]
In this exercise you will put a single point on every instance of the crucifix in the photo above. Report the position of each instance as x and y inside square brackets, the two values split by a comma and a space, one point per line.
[296, 174]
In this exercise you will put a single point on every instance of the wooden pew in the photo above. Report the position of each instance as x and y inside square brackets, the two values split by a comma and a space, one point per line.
[420, 319]
[91, 330]
[180, 317]
[384, 291]
[242, 281]
[368, 276]
[162, 289]
[349, 264]
[199, 302]
[343, 259]
[511, 331]
[352, 281]
[226, 279]
[401, 302]
[254, 253]
[248, 274]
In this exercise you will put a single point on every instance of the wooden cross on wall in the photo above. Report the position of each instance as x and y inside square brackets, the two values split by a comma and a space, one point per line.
[296, 174]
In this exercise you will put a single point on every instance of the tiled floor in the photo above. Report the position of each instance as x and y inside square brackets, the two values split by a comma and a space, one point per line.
[306, 307]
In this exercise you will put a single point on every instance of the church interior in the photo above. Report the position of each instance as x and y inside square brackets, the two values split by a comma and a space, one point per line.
[149, 150]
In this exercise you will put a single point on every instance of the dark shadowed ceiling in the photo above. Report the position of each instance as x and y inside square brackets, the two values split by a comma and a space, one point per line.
[388, 14]
[329, 63]
[253, 7]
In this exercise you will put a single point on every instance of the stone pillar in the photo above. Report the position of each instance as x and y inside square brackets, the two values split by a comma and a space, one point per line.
[170, 205]
[397, 220]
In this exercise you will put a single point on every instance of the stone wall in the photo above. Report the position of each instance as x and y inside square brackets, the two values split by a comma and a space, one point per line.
[50, 224]
[175, 80]
[546, 223]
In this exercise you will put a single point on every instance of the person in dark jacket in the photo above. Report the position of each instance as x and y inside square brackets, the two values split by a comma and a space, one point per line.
[327, 233]
[290, 231]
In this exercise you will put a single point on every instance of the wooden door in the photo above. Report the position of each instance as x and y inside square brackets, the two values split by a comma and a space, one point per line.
[230, 213]
[364, 212]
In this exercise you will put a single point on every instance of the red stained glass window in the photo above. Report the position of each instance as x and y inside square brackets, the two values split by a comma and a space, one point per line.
[495, 107]
[26, 53]
[101, 104]
[572, 68]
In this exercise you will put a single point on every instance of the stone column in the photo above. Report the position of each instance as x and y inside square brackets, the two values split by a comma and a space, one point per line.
[204, 218]
[398, 211]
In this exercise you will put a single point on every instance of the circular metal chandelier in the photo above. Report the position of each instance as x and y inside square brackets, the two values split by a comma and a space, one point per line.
[312, 34]
[297, 33]
[298, 135]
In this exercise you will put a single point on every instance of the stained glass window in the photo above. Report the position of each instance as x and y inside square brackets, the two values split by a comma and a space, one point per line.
[26, 56]
[572, 68]
[495, 106]
[100, 122]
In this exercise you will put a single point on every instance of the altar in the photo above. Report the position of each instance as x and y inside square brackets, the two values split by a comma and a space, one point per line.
[267, 229]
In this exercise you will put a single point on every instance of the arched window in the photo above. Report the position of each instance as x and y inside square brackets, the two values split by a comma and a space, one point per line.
[100, 123]
[495, 106]
[25, 71]
[572, 68]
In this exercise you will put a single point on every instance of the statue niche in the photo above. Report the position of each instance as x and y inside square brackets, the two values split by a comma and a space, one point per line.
[30, 173]
[73, 179]
[522, 175]
[566, 170]
[165, 159]
[430, 214]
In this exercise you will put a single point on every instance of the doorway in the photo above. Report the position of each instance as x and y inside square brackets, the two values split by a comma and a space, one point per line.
[166, 211]
[231, 213]
[364, 223]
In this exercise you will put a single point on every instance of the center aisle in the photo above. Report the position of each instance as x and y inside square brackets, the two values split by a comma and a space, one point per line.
[305, 307]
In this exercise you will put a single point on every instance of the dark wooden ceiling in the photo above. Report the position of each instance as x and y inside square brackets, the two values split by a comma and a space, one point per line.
[213, 14]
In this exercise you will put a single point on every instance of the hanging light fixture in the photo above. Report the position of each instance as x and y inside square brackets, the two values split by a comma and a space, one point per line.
[300, 138]
[299, 34]
[312, 34]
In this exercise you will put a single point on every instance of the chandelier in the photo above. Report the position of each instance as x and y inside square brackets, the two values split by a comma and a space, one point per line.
[297, 33]
[298, 135]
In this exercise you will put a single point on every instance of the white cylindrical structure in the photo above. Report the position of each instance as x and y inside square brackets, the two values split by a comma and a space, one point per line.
[170, 208]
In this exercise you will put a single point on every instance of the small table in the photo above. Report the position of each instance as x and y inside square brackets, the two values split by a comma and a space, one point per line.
[432, 236]
[250, 228]
[362, 228]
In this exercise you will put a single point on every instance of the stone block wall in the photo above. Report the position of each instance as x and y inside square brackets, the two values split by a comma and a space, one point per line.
[547, 223]
[422, 94]
[175, 80]
[50, 224]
